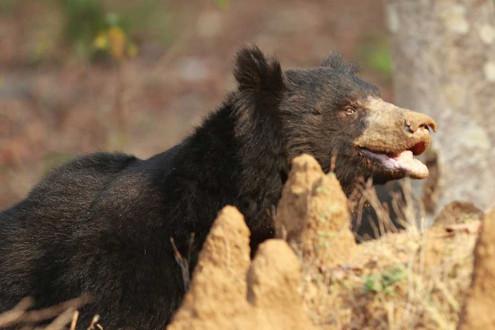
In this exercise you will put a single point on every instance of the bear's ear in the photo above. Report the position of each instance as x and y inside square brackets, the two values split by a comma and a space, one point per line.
[258, 75]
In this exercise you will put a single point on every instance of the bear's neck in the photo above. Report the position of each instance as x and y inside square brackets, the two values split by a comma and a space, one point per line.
[242, 159]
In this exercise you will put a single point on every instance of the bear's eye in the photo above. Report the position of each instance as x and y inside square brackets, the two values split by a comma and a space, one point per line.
[350, 111]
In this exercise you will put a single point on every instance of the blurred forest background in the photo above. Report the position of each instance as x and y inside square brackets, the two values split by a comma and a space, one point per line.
[79, 76]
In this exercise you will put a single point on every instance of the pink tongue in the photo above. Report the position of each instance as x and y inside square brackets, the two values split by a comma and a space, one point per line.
[414, 168]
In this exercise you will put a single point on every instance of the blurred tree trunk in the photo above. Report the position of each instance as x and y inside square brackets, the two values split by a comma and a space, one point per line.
[444, 59]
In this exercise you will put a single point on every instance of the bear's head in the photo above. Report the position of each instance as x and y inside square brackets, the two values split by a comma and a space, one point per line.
[333, 115]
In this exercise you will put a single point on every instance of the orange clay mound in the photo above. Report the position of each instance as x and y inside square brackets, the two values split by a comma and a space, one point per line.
[313, 216]
[322, 279]
[479, 309]
[227, 292]
[458, 212]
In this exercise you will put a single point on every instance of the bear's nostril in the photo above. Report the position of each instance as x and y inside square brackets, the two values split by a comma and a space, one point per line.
[427, 127]
[408, 126]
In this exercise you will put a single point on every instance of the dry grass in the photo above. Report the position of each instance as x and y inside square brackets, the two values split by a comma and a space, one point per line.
[62, 316]
[409, 280]
[414, 279]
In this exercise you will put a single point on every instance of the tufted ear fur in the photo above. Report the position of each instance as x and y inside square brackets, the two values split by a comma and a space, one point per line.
[336, 62]
[258, 76]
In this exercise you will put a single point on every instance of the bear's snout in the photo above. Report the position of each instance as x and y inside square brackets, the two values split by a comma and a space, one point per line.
[391, 129]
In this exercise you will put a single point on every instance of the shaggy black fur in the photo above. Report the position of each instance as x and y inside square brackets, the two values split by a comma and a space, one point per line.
[103, 223]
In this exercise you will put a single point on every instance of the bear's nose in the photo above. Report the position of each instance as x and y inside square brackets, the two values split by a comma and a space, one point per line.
[414, 121]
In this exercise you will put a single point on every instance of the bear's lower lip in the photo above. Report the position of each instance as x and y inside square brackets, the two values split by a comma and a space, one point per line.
[403, 161]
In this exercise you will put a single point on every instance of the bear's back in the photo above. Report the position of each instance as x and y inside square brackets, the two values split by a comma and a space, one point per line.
[90, 224]
[50, 212]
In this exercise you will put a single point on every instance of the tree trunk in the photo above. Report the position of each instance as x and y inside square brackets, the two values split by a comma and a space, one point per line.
[444, 59]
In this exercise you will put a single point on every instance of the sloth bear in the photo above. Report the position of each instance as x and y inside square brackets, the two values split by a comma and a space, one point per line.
[112, 225]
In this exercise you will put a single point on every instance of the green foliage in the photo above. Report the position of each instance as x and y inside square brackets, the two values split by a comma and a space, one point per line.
[6, 6]
[375, 53]
[83, 20]
[93, 31]
[149, 18]
[385, 281]
[222, 3]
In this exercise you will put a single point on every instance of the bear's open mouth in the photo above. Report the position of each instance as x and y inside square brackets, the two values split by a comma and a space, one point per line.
[403, 160]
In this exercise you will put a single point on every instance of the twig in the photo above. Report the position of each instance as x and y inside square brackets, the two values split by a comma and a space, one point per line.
[94, 323]
[48, 313]
[73, 323]
[19, 313]
[11, 316]
[61, 321]
[183, 264]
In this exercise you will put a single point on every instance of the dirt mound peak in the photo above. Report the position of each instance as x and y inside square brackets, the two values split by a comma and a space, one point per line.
[479, 306]
[230, 292]
[313, 215]
[218, 287]
[274, 276]
[458, 212]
